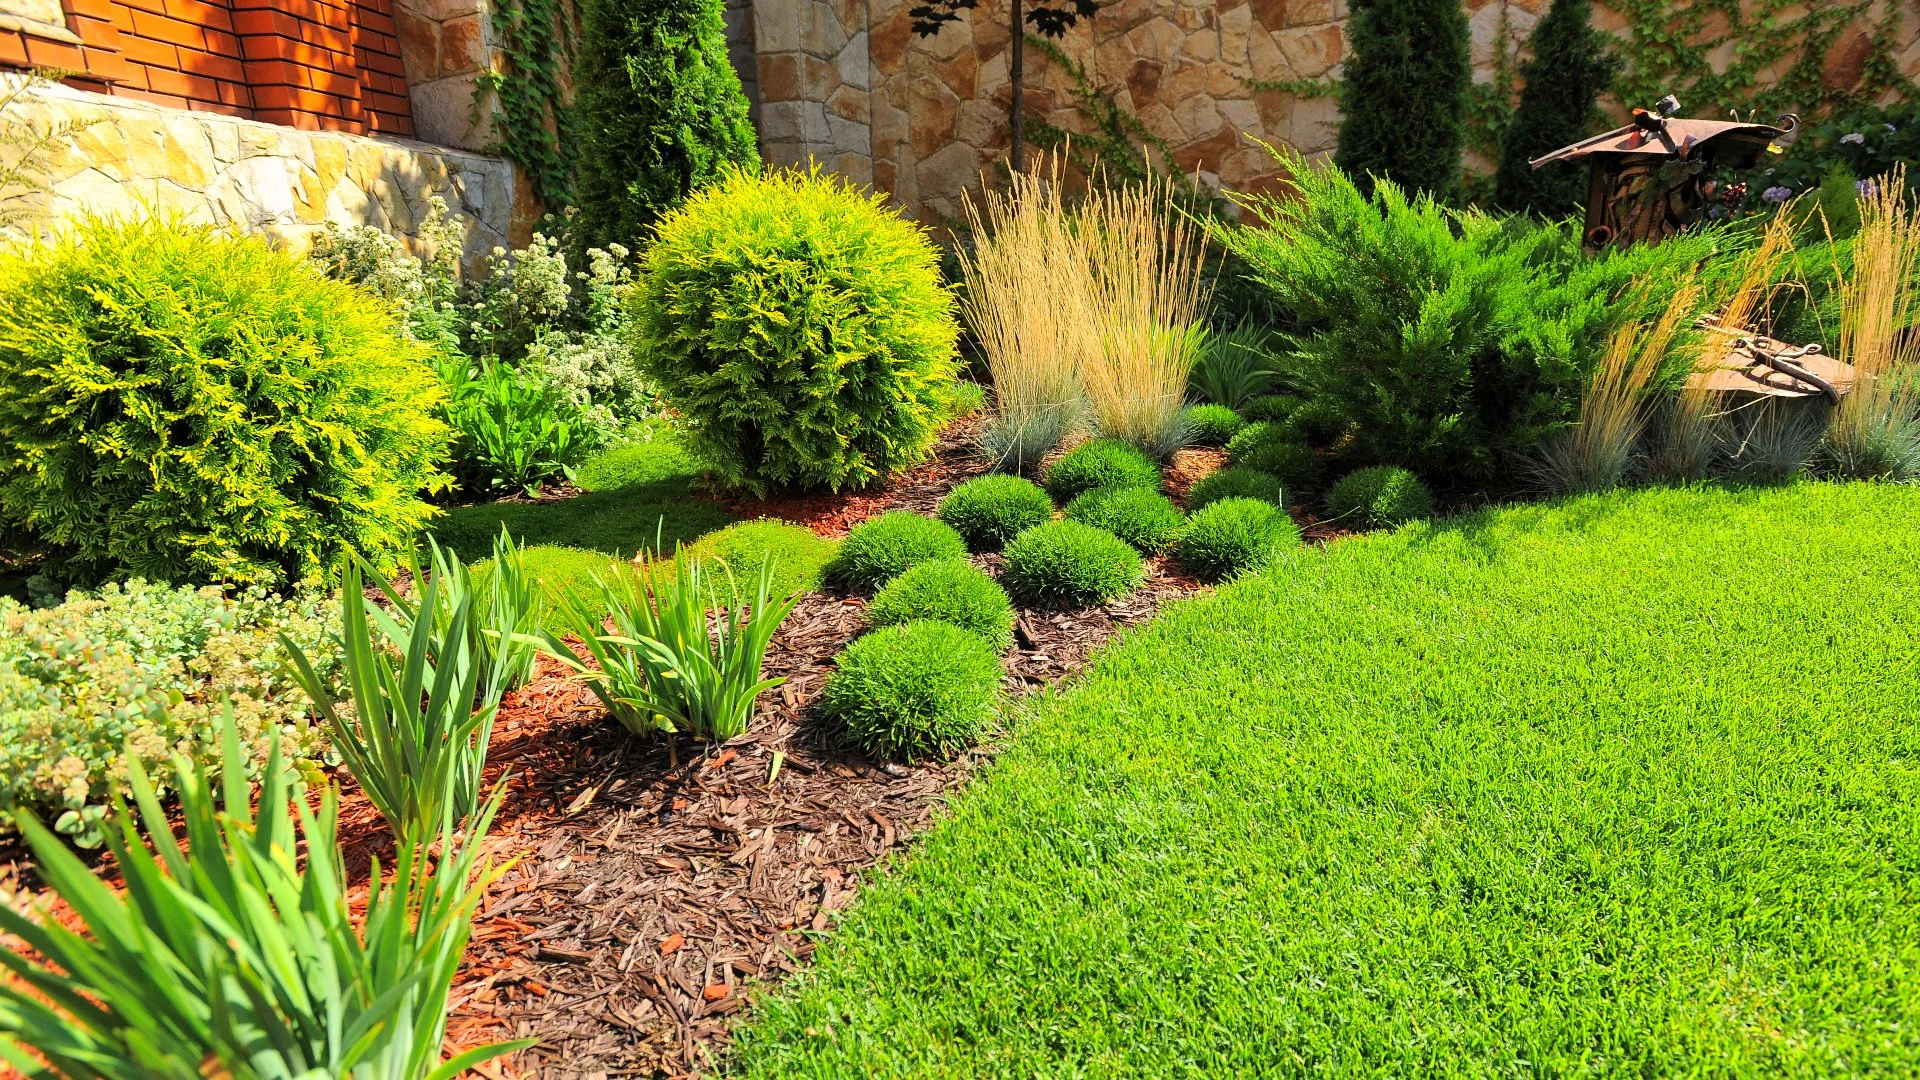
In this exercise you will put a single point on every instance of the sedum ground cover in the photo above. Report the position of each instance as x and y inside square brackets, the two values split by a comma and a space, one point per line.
[1628, 785]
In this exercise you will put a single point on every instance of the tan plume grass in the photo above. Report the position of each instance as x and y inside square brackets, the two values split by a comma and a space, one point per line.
[1691, 434]
[1148, 299]
[1027, 299]
[1875, 432]
[1597, 453]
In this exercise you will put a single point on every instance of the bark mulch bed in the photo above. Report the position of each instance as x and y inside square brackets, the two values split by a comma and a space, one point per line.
[653, 890]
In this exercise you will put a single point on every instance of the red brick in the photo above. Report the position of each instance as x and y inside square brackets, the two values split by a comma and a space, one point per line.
[55, 54]
[214, 67]
[294, 97]
[200, 14]
[109, 66]
[99, 33]
[236, 94]
[181, 84]
[265, 22]
[173, 31]
[274, 73]
[145, 51]
[221, 42]
[91, 9]
[334, 82]
[13, 49]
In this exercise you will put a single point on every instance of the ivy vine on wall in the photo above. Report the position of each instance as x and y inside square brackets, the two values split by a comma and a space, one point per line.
[530, 110]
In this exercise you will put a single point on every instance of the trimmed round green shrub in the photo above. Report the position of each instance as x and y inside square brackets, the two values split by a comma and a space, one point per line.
[185, 404]
[1233, 536]
[1065, 564]
[1314, 423]
[1100, 463]
[1379, 497]
[800, 328]
[1211, 425]
[877, 549]
[988, 511]
[1269, 409]
[951, 591]
[1236, 482]
[922, 689]
[1146, 519]
[1270, 449]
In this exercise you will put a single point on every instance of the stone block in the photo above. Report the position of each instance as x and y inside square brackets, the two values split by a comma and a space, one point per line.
[1236, 24]
[853, 64]
[463, 45]
[1311, 53]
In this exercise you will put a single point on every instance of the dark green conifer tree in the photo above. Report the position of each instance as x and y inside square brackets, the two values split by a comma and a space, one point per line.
[1405, 94]
[1570, 69]
[659, 112]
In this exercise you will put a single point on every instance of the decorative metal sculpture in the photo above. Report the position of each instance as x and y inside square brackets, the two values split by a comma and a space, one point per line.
[1654, 176]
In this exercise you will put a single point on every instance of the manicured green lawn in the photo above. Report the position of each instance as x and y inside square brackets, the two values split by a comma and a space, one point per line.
[1628, 786]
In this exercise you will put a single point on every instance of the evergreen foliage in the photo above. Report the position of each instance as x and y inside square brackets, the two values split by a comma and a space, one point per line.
[800, 327]
[1101, 463]
[1142, 517]
[1404, 97]
[659, 112]
[1570, 69]
[1379, 497]
[990, 510]
[1233, 536]
[922, 689]
[952, 591]
[878, 550]
[1067, 564]
[185, 404]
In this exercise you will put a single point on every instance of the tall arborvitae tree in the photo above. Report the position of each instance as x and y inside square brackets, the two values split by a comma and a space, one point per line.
[1405, 94]
[1570, 69]
[659, 112]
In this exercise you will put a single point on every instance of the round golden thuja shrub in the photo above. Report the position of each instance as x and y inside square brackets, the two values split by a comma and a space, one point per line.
[186, 404]
[800, 328]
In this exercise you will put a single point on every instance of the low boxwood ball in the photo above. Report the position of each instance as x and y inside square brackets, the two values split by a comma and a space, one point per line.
[1066, 564]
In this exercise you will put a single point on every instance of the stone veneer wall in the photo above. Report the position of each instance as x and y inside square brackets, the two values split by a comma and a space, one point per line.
[846, 83]
[265, 178]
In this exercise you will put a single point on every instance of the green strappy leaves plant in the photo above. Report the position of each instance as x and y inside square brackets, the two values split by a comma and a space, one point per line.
[226, 957]
[507, 612]
[664, 667]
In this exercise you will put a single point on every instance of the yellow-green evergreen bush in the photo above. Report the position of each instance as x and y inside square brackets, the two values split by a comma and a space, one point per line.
[189, 405]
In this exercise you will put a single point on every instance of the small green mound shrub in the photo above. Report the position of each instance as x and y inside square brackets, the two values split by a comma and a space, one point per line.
[1211, 425]
[144, 667]
[1271, 449]
[877, 550]
[1379, 497]
[1146, 519]
[184, 404]
[1066, 564]
[1101, 463]
[1233, 536]
[988, 511]
[951, 591]
[800, 328]
[1271, 408]
[964, 398]
[1236, 482]
[923, 689]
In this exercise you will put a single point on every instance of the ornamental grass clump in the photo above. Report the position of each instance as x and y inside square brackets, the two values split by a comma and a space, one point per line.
[1211, 425]
[1145, 519]
[924, 689]
[1232, 367]
[1148, 300]
[951, 591]
[1379, 497]
[988, 511]
[1237, 481]
[190, 405]
[1876, 429]
[228, 957]
[878, 549]
[1026, 300]
[1233, 536]
[800, 328]
[1067, 564]
[1101, 463]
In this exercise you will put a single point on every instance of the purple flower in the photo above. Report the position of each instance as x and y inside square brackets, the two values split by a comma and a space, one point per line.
[1867, 189]
[1777, 195]
[1853, 137]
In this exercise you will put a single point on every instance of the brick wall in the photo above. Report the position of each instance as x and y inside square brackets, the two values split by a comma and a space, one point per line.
[328, 65]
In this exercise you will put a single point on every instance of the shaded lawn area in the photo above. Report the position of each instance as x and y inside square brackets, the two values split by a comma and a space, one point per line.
[1626, 786]
[628, 492]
